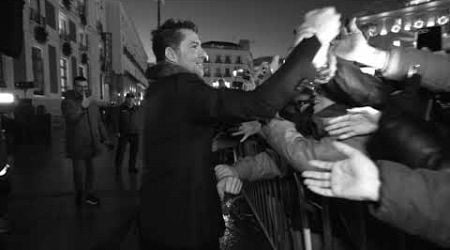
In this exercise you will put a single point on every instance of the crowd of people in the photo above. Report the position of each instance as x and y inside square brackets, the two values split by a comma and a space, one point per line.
[352, 136]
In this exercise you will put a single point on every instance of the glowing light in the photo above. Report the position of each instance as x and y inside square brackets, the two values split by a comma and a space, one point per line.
[396, 28]
[442, 20]
[215, 84]
[397, 43]
[430, 22]
[227, 84]
[408, 26]
[418, 24]
[383, 31]
[6, 98]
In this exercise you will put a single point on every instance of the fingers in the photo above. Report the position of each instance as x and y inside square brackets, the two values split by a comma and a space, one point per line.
[239, 132]
[317, 183]
[233, 185]
[321, 164]
[345, 149]
[338, 119]
[337, 125]
[340, 131]
[245, 137]
[352, 27]
[316, 175]
[321, 191]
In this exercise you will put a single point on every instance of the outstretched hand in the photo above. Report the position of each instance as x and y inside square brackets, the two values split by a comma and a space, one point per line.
[352, 44]
[358, 121]
[248, 129]
[355, 178]
[324, 23]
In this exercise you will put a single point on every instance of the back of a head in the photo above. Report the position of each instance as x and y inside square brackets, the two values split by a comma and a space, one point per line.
[168, 35]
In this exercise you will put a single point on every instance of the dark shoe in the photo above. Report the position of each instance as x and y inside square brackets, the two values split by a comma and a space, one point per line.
[132, 170]
[78, 198]
[92, 200]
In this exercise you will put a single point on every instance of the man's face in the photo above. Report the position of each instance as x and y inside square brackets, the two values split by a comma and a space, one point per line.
[190, 53]
[82, 87]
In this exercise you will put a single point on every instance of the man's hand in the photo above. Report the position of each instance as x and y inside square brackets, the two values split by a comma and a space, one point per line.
[248, 129]
[324, 23]
[354, 47]
[224, 170]
[232, 185]
[358, 121]
[355, 178]
[86, 101]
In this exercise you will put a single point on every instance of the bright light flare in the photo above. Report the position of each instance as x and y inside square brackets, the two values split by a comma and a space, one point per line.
[6, 98]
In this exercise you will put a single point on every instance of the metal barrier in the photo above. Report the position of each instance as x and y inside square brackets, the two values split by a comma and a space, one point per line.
[278, 209]
[279, 206]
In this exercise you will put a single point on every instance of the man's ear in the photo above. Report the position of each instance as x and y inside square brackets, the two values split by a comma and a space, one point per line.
[171, 55]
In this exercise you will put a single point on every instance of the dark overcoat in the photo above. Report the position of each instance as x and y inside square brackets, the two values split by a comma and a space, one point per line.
[180, 206]
[85, 131]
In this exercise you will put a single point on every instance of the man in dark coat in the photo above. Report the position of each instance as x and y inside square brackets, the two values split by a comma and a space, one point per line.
[128, 133]
[84, 135]
[180, 208]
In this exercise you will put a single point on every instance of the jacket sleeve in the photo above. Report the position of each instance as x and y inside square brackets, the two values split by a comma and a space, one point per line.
[282, 136]
[408, 140]
[433, 67]
[415, 201]
[72, 111]
[225, 105]
[362, 88]
[258, 167]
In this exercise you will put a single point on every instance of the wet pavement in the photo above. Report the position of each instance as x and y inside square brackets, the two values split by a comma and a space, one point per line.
[43, 214]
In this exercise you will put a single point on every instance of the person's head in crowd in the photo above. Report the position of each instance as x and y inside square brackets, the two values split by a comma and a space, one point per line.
[177, 42]
[129, 99]
[81, 85]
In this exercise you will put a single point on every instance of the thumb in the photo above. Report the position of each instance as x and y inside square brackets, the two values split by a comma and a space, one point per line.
[346, 149]
[352, 27]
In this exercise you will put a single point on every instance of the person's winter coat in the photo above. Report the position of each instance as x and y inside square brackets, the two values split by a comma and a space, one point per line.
[180, 206]
[416, 201]
[85, 132]
[432, 67]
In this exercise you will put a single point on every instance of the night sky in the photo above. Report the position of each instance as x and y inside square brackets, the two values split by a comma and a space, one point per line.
[268, 24]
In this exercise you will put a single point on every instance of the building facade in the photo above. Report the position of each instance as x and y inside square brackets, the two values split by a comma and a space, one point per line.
[405, 27]
[63, 39]
[129, 59]
[227, 63]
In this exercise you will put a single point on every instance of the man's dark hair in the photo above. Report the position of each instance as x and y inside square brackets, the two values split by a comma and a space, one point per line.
[79, 79]
[169, 35]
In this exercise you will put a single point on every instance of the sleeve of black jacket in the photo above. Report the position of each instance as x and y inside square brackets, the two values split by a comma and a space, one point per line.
[226, 105]
[415, 201]
[410, 141]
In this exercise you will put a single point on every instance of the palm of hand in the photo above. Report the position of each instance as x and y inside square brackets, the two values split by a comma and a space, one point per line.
[351, 47]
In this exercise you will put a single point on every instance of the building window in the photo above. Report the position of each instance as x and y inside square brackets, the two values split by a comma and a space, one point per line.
[227, 72]
[38, 70]
[50, 16]
[64, 74]
[218, 73]
[227, 59]
[82, 71]
[72, 31]
[2, 73]
[63, 27]
[238, 60]
[218, 59]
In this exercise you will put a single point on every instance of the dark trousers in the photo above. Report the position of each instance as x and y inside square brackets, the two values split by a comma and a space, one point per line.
[86, 166]
[133, 139]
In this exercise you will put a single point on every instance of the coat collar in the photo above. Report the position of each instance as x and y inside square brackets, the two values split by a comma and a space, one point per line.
[165, 69]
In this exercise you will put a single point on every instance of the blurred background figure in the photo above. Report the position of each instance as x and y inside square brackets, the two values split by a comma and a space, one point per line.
[128, 133]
